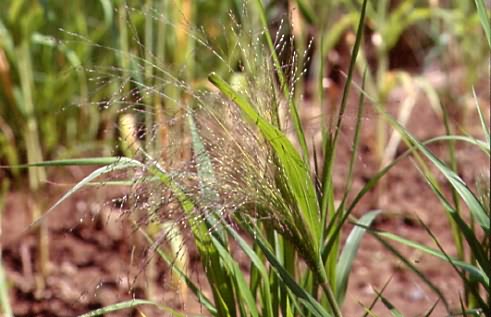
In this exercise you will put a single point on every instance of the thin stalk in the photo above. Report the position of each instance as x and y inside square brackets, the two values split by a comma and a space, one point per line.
[4, 295]
[297, 86]
[380, 73]
[324, 283]
[150, 147]
[283, 82]
[330, 144]
[37, 176]
[161, 138]
[148, 73]
[457, 235]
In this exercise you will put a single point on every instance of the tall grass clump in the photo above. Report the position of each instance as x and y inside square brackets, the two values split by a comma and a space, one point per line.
[244, 170]
[223, 158]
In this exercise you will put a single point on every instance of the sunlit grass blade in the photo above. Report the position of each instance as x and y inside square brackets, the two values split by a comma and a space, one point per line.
[484, 17]
[4, 297]
[462, 189]
[246, 301]
[258, 263]
[113, 164]
[129, 304]
[303, 296]
[485, 127]
[348, 255]
[475, 272]
[470, 283]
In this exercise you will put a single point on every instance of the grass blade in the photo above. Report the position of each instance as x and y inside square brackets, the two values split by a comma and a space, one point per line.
[120, 306]
[239, 279]
[345, 262]
[431, 309]
[4, 297]
[485, 127]
[305, 297]
[368, 309]
[393, 310]
[256, 261]
[474, 272]
[484, 17]
[115, 164]
[413, 268]
[462, 189]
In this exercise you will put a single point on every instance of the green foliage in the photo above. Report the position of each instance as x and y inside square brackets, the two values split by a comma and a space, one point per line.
[244, 167]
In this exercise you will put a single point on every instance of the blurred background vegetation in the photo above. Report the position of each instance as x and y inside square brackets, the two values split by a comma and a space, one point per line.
[50, 109]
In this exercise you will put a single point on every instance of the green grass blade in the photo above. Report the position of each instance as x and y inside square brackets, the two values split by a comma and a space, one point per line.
[115, 164]
[90, 161]
[120, 306]
[473, 271]
[345, 262]
[472, 286]
[307, 12]
[468, 232]
[411, 266]
[5, 306]
[246, 299]
[351, 69]
[393, 310]
[485, 127]
[4, 297]
[315, 308]
[108, 10]
[356, 139]
[462, 189]
[372, 182]
[220, 283]
[368, 310]
[483, 145]
[330, 152]
[484, 17]
[256, 261]
[204, 165]
[208, 196]
[283, 83]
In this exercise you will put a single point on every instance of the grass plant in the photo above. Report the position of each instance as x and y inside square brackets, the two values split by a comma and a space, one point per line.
[208, 145]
